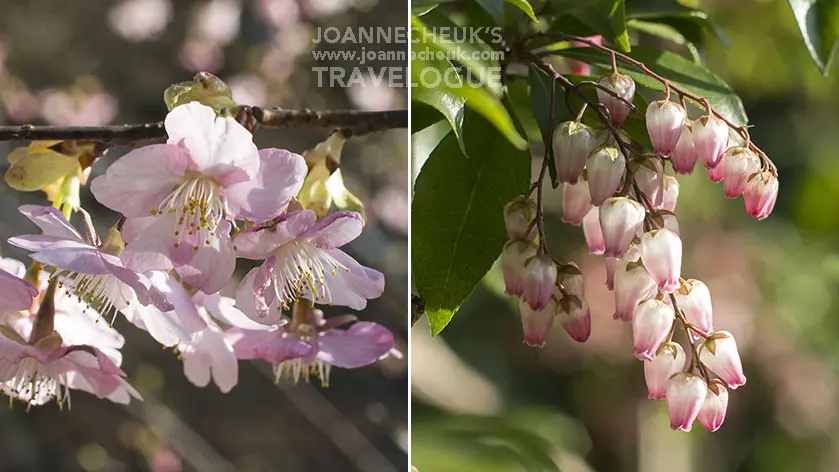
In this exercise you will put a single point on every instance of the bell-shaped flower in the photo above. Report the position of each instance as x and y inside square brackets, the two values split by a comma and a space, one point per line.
[716, 174]
[593, 232]
[633, 285]
[714, 408]
[518, 218]
[302, 260]
[513, 258]
[760, 194]
[710, 139]
[685, 394]
[669, 361]
[684, 155]
[620, 219]
[650, 179]
[650, 325]
[570, 277]
[604, 168]
[90, 269]
[719, 353]
[575, 317]
[208, 170]
[572, 142]
[738, 163]
[670, 195]
[536, 323]
[668, 221]
[665, 123]
[576, 201]
[624, 87]
[539, 279]
[661, 251]
[694, 299]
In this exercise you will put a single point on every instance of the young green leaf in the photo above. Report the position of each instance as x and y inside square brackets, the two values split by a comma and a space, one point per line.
[606, 17]
[818, 21]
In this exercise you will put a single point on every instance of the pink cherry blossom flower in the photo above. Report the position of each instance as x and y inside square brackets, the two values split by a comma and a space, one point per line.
[669, 361]
[302, 260]
[685, 395]
[15, 293]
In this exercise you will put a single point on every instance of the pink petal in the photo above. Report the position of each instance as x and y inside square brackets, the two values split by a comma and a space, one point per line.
[150, 242]
[147, 293]
[51, 222]
[210, 355]
[280, 178]
[183, 308]
[247, 344]
[257, 243]
[361, 345]
[335, 230]
[354, 287]
[38, 242]
[223, 309]
[10, 354]
[262, 283]
[211, 266]
[82, 259]
[15, 294]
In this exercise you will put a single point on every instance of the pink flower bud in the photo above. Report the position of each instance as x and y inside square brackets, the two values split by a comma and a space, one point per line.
[539, 279]
[518, 216]
[575, 318]
[576, 202]
[710, 139]
[572, 142]
[694, 300]
[712, 414]
[670, 195]
[685, 395]
[669, 221]
[716, 174]
[593, 232]
[650, 325]
[684, 156]
[571, 278]
[633, 285]
[665, 122]
[669, 361]
[738, 165]
[605, 167]
[620, 219]
[536, 324]
[760, 194]
[513, 259]
[661, 251]
[624, 87]
[650, 179]
[719, 353]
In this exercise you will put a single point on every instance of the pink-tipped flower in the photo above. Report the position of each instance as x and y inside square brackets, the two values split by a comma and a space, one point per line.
[694, 300]
[611, 266]
[685, 394]
[604, 167]
[650, 325]
[536, 323]
[570, 277]
[593, 232]
[650, 179]
[716, 174]
[760, 194]
[669, 361]
[576, 202]
[620, 219]
[513, 258]
[738, 163]
[684, 155]
[661, 251]
[670, 194]
[539, 279]
[575, 317]
[665, 122]
[669, 221]
[624, 87]
[719, 353]
[710, 139]
[712, 414]
[633, 285]
[518, 216]
[572, 142]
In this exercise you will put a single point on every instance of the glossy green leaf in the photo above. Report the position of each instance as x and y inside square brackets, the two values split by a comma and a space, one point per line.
[450, 105]
[668, 33]
[606, 17]
[423, 116]
[525, 7]
[691, 23]
[457, 214]
[818, 21]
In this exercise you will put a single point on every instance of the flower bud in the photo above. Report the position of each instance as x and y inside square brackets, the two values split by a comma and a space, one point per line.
[576, 202]
[650, 325]
[670, 195]
[513, 259]
[685, 395]
[624, 87]
[650, 179]
[738, 165]
[593, 232]
[694, 300]
[669, 361]
[661, 251]
[518, 216]
[719, 353]
[760, 194]
[572, 142]
[633, 285]
[716, 174]
[710, 139]
[571, 278]
[712, 414]
[684, 156]
[669, 221]
[665, 122]
[605, 167]
[575, 317]
[536, 324]
[620, 219]
[539, 279]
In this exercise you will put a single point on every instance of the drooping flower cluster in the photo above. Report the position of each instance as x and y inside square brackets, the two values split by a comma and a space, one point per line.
[163, 265]
[624, 200]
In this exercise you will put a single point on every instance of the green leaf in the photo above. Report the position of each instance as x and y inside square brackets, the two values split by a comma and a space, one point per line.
[540, 99]
[818, 21]
[606, 17]
[423, 116]
[525, 7]
[457, 214]
[681, 72]
[691, 23]
[518, 93]
[668, 33]
[448, 103]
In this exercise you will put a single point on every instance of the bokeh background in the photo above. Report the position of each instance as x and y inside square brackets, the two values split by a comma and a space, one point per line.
[483, 401]
[90, 62]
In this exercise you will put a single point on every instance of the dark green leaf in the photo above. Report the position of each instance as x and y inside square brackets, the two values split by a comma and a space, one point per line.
[449, 104]
[457, 215]
[525, 7]
[691, 23]
[518, 92]
[606, 17]
[423, 116]
[667, 33]
[818, 21]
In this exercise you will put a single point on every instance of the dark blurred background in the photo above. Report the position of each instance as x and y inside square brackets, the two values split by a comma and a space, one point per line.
[774, 284]
[88, 62]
